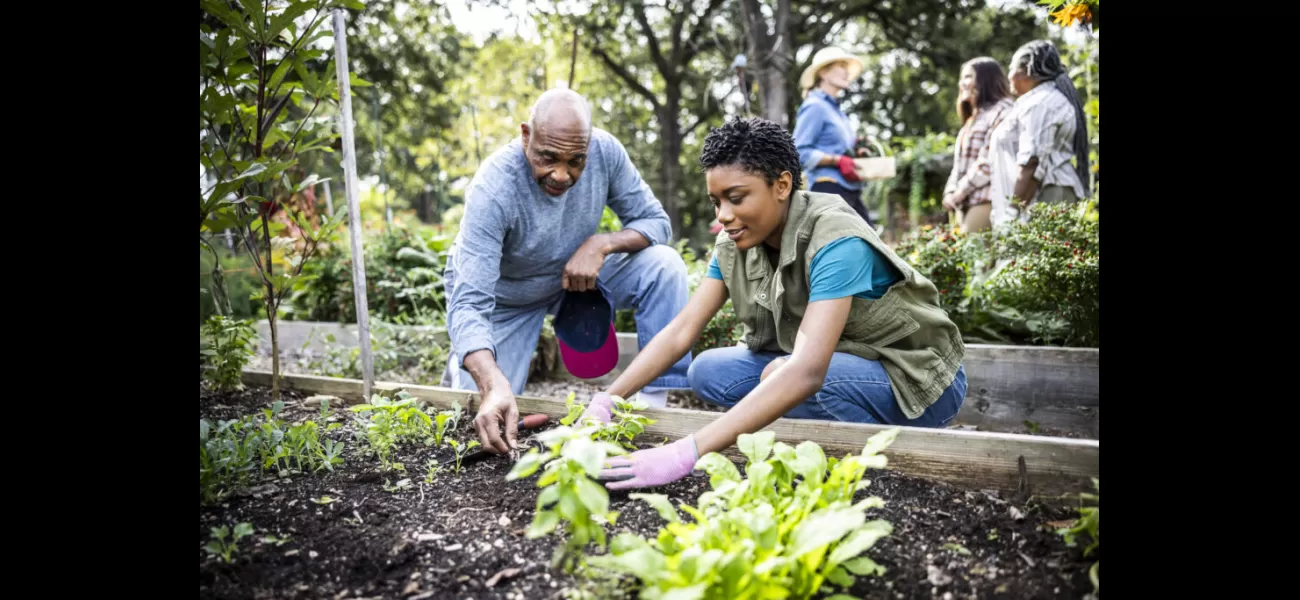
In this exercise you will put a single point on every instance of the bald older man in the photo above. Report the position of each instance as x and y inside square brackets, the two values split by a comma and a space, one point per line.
[529, 235]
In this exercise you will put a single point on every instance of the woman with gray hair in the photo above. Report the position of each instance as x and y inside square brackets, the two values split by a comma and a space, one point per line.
[1033, 146]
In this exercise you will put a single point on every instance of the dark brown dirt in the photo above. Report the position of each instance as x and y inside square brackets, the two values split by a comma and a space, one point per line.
[454, 537]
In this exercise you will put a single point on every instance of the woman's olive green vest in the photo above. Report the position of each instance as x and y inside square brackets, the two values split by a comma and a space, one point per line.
[919, 346]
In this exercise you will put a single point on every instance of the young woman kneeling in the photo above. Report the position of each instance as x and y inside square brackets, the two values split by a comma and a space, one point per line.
[838, 327]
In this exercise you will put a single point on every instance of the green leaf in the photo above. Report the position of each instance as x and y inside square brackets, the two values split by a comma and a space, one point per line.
[258, 14]
[550, 475]
[880, 441]
[701, 567]
[278, 75]
[612, 449]
[694, 592]
[253, 170]
[869, 503]
[660, 503]
[878, 461]
[719, 467]
[355, 81]
[760, 476]
[774, 562]
[527, 465]
[863, 566]
[232, 19]
[785, 453]
[695, 514]
[958, 548]
[213, 547]
[823, 527]
[569, 505]
[641, 561]
[250, 201]
[243, 529]
[840, 577]
[543, 523]
[284, 19]
[586, 453]
[756, 446]
[311, 180]
[547, 498]
[810, 462]
[220, 192]
[860, 540]
[554, 436]
[592, 495]
[842, 597]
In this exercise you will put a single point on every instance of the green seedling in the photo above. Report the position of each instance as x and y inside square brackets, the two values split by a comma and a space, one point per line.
[573, 456]
[432, 470]
[958, 548]
[324, 500]
[574, 410]
[225, 346]
[332, 452]
[1089, 524]
[234, 452]
[223, 544]
[461, 451]
[390, 422]
[569, 495]
[761, 535]
[625, 424]
[445, 421]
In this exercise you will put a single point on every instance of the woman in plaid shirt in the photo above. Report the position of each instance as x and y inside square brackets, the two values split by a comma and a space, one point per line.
[983, 97]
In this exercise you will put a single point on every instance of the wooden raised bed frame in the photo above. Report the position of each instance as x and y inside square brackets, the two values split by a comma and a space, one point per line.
[1007, 462]
[1053, 387]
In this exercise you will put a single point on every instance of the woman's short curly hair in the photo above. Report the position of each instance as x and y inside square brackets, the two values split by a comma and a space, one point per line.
[756, 144]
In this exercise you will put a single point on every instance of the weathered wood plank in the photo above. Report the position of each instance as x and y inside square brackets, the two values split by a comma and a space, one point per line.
[295, 334]
[970, 459]
[1055, 388]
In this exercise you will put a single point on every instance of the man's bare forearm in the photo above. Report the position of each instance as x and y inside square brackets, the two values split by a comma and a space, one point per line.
[620, 242]
[487, 375]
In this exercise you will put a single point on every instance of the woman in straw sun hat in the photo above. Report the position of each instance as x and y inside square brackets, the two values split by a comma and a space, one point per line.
[822, 133]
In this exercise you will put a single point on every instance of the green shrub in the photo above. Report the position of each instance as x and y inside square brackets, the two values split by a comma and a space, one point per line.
[225, 346]
[403, 279]
[1030, 283]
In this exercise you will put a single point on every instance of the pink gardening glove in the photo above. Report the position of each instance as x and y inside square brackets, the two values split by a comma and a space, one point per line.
[847, 168]
[653, 467]
[600, 408]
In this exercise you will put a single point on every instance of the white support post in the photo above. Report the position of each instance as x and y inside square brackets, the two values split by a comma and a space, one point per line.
[354, 201]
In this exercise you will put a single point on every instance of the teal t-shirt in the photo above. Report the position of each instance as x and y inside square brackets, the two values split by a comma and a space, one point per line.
[848, 266]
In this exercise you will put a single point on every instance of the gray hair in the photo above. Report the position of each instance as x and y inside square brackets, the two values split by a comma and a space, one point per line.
[1040, 61]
